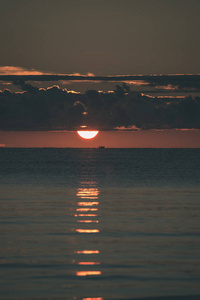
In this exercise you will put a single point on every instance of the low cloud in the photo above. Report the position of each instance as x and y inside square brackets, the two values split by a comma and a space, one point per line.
[54, 108]
[26, 86]
[14, 70]
[128, 128]
[178, 82]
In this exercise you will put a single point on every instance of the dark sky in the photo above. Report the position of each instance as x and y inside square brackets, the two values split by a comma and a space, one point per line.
[101, 36]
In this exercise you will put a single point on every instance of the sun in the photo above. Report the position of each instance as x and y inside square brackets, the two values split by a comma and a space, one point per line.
[87, 134]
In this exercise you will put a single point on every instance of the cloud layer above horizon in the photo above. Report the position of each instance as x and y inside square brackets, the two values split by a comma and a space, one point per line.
[158, 81]
[55, 108]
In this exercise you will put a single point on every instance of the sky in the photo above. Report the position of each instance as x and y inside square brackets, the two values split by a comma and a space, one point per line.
[170, 138]
[154, 44]
[104, 37]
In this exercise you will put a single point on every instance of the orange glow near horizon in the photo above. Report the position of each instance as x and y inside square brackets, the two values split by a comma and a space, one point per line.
[87, 134]
[166, 138]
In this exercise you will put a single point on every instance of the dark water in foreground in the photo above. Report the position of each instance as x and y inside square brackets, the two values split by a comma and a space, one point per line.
[99, 224]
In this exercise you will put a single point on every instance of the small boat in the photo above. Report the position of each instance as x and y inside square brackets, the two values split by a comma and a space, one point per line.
[101, 147]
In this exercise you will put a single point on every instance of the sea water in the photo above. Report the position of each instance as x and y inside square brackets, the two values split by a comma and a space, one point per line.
[99, 223]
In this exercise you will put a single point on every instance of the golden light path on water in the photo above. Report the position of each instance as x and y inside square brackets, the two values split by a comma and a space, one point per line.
[96, 298]
[87, 134]
[87, 203]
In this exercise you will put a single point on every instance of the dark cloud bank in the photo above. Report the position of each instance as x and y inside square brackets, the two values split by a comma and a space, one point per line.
[55, 108]
[180, 81]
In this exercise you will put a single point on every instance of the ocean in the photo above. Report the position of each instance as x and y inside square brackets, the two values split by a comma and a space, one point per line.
[99, 223]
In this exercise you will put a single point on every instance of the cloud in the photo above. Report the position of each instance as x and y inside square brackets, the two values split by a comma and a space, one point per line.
[14, 70]
[20, 71]
[137, 82]
[51, 108]
[161, 82]
[26, 87]
[167, 87]
[162, 97]
[128, 128]
[6, 83]
[54, 108]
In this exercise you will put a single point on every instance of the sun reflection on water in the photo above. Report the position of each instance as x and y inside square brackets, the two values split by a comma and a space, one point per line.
[97, 298]
[86, 273]
[86, 209]
[87, 230]
[87, 203]
[88, 193]
[87, 263]
[87, 252]
[88, 221]
[85, 217]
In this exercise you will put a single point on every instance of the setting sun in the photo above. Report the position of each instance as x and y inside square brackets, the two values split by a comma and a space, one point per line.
[87, 134]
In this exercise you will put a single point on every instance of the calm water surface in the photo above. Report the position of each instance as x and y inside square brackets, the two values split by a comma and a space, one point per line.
[99, 223]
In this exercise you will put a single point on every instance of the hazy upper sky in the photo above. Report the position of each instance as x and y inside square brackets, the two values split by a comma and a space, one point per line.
[101, 36]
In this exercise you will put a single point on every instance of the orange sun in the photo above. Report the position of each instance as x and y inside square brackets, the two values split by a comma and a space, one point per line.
[87, 134]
